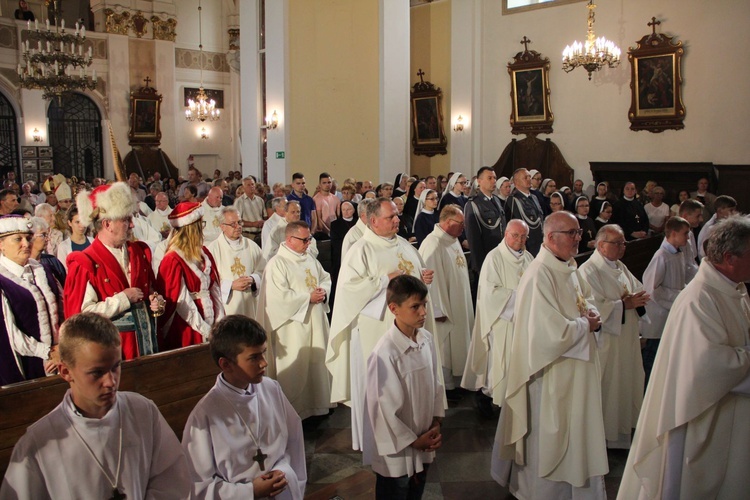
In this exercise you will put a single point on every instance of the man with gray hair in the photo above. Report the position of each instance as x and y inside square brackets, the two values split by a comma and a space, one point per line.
[279, 211]
[356, 232]
[278, 236]
[240, 263]
[692, 434]
[252, 209]
[620, 299]
[211, 210]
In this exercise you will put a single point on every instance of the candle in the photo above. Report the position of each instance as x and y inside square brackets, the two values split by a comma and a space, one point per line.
[28, 25]
[62, 24]
[19, 70]
[49, 49]
[47, 21]
[93, 76]
[36, 25]
[89, 52]
[83, 31]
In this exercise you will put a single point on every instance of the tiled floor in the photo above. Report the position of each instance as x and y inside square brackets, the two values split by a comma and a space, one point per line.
[461, 469]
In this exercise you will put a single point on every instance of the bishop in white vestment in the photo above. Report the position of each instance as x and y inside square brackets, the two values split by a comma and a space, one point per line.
[294, 305]
[450, 292]
[550, 437]
[492, 337]
[620, 299]
[360, 315]
[692, 440]
[240, 264]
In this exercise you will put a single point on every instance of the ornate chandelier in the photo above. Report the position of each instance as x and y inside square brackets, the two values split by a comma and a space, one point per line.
[202, 108]
[594, 54]
[55, 61]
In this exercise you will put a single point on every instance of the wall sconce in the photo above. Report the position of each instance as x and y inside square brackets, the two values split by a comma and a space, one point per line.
[204, 133]
[36, 135]
[459, 126]
[272, 121]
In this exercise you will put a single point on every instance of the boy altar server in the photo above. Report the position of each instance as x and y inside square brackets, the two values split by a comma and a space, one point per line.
[404, 396]
[244, 439]
[118, 442]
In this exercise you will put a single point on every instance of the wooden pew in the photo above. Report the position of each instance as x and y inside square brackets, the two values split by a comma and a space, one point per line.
[174, 380]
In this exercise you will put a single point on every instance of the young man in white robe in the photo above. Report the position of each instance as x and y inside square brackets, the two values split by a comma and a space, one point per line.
[356, 232]
[663, 280]
[404, 396]
[278, 236]
[550, 438]
[293, 308]
[492, 337]
[240, 264]
[620, 299]
[691, 441]
[99, 442]
[211, 215]
[361, 319]
[691, 211]
[279, 211]
[243, 439]
[450, 292]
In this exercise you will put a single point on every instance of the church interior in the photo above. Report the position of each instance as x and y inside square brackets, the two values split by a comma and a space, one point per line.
[326, 85]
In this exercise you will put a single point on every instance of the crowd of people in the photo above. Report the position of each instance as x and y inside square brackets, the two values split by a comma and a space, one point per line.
[437, 286]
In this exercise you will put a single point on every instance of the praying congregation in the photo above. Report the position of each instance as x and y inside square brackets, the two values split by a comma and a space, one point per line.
[391, 249]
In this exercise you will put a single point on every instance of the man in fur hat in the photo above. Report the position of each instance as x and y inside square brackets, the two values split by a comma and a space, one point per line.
[113, 276]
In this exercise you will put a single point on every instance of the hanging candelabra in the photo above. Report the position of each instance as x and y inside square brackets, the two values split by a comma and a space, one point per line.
[202, 108]
[592, 55]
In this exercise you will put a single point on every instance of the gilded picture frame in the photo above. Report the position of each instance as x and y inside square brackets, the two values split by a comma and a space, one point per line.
[531, 111]
[428, 134]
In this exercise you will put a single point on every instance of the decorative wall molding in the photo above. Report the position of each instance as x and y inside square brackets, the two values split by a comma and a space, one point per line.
[164, 29]
[8, 37]
[190, 59]
[122, 22]
[234, 38]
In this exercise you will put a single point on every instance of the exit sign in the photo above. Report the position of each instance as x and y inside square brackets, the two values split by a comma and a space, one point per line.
[279, 155]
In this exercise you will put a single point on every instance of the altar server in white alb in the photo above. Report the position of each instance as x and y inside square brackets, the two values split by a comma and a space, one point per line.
[692, 438]
[404, 396]
[489, 353]
[550, 437]
[294, 307]
[243, 439]
[450, 292]
[240, 264]
[360, 314]
[620, 299]
[99, 442]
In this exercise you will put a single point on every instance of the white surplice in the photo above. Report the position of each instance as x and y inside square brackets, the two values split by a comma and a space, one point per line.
[663, 279]
[220, 448]
[550, 438]
[235, 259]
[692, 438]
[212, 230]
[619, 347]
[451, 297]
[50, 461]
[268, 227]
[361, 316]
[403, 396]
[492, 337]
[297, 330]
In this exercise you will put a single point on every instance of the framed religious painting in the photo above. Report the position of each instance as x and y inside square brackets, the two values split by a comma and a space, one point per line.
[656, 82]
[145, 115]
[531, 112]
[428, 136]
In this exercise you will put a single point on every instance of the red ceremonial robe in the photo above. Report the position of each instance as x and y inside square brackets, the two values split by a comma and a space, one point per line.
[97, 265]
[174, 331]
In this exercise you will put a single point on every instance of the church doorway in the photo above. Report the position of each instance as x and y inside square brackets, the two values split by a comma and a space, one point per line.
[75, 134]
[9, 160]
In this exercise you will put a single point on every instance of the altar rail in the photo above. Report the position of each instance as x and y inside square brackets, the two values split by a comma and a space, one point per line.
[174, 380]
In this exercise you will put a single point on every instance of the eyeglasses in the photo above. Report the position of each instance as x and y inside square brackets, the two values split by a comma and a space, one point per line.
[572, 233]
[617, 243]
[303, 240]
[43, 236]
[232, 224]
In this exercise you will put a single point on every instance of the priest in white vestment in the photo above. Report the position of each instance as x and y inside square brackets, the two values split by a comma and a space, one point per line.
[550, 438]
[212, 215]
[98, 442]
[279, 211]
[244, 440]
[692, 440]
[360, 316]
[492, 337]
[240, 264]
[278, 236]
[294, 307]
[620, 299]
[159, 218]
[450, 292]
[143, 231]
[356, 232]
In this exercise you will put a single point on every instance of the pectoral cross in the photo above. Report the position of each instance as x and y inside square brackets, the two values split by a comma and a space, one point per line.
[637, 219]
[238, 269]
[591, 236]
[404, 265]
[116, 495]
[260, 457]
